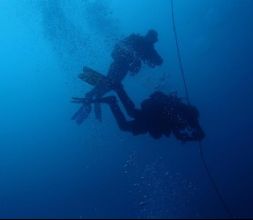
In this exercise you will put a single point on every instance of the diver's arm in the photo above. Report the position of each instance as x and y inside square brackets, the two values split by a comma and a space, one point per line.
[183, 136]
[155, 59]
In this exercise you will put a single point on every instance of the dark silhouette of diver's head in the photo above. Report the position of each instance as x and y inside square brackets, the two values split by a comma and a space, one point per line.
[151, 36]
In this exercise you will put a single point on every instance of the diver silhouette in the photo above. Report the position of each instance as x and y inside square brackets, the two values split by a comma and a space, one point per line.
[128, 55]
[159, 115]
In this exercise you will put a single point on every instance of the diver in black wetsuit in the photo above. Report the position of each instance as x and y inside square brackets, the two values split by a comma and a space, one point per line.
[159, 115]
[128, 56]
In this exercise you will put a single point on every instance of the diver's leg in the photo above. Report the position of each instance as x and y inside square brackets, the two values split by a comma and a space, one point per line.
[123, 124]
[116, 73]
[126, 101]
[99, 90]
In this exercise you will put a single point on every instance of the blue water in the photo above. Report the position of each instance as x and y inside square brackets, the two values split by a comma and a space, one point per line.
[52, 168]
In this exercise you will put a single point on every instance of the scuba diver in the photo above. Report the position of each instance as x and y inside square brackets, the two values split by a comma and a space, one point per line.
[128, 56]
[159, 115]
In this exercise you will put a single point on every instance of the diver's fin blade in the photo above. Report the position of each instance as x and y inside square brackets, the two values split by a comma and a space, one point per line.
[91, 76]
[98, 111]
[76, 113]
[82, 114]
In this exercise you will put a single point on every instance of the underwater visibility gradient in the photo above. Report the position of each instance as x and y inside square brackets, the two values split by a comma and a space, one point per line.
[52, 168]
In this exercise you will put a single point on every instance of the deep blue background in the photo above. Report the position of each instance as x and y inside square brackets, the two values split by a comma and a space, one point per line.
[50, 167]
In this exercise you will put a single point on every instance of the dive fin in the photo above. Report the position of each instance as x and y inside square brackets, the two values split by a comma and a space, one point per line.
[82, 114]
[91, 76]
